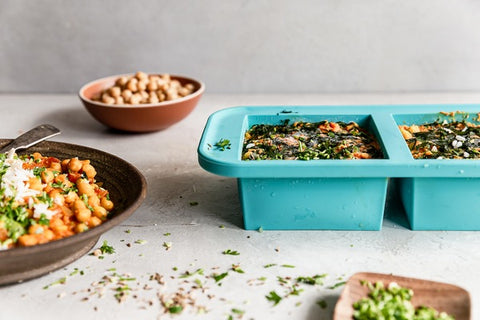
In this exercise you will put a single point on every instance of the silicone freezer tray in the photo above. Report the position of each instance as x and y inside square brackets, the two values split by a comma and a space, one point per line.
[437, 194]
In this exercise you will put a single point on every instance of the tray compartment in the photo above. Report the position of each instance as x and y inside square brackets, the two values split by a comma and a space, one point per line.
[313, 203]
[440, 203]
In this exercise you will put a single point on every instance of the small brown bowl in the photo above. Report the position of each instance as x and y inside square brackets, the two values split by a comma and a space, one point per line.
[127, 188]
[139, 117]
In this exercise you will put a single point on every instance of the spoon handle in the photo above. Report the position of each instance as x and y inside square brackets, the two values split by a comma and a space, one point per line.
[31, 137]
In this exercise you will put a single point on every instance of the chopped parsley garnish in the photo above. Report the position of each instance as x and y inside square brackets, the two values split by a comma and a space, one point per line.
[223, 144]
[231, 252]
[220, 277]
[105, 248]
[274, 297]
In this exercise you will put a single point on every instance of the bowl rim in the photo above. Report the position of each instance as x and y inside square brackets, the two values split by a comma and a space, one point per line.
[193, 95]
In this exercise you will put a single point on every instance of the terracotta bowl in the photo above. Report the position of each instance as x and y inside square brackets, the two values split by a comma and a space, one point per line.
[127, 188]
[140, 117]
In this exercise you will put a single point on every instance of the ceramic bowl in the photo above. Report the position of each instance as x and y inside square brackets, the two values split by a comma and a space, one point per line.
[140, 117]
[127, 188]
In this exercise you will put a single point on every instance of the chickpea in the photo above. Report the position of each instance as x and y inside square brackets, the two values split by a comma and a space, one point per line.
[108, 99]
[94, 221]
[93, 201]
[56, 166]
[126, 95]
[132, 85]
[152, 86]
[141, 75]
[107, 204]
[142, 85]
[121, 82]
[81, 227]
[136, 98]
[47, 176]
[27, 240]
[125, 88]
[83, 215]
[89, 170]
[84, 187]
[75, 165]
[35, 184]
[100, 212]
[119, 100]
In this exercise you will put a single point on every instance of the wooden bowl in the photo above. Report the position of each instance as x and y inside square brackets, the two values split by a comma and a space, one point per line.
[440, 296]
[140, 117]
[127, 188]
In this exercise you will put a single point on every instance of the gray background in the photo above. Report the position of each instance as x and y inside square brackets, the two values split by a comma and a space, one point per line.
[247, 46]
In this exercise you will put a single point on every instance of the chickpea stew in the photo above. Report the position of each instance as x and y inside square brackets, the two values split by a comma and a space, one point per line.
[44, 199]
[142, 88]
[310, 141]
[443, 140]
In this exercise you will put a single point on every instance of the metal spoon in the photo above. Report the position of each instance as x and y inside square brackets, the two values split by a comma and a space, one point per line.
[31, 137]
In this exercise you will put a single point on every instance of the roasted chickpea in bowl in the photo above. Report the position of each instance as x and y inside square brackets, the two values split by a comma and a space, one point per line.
[141, 102]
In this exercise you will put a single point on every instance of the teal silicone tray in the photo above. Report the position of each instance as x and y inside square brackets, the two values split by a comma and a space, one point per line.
[437, 194]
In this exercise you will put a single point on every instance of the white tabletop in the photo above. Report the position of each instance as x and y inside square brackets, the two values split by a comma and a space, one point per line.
[198, 216]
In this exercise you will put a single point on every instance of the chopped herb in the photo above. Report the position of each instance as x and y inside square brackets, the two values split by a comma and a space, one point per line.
[189, 274]
[336, 285]
[221, 226]
[274, 297]
[167, 234]
[269, 265]
[231, 252]
[223, 144]
[193, 203]
[315, 280]
[140, 241]
[288, 266]
[220, 277]
[105, 248]
[237, 269]
[43, 220]
[238, 311]
[322, 304]
[59, 281]
[167, 245]
[175, 309]
[128, 231]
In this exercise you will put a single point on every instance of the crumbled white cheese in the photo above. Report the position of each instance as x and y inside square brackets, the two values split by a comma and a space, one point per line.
[42, 208]
[460, 138]
[15, 180]
[15, 186]
[434, 149]
[456, 144]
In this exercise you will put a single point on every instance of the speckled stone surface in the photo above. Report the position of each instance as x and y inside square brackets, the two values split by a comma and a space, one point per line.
[173, 244]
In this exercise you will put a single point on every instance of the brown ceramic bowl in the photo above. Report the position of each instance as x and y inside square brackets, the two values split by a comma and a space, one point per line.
[140, 117]
[127, 188]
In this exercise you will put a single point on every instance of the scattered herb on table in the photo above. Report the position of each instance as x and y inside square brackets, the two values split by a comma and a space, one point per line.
[167, 245]
[106, 248]
[193, 203]
[274, 297]
[223, 144]
[220, 277]
[383, 302]
[315, 280]
[231, 252]
[338, 284]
